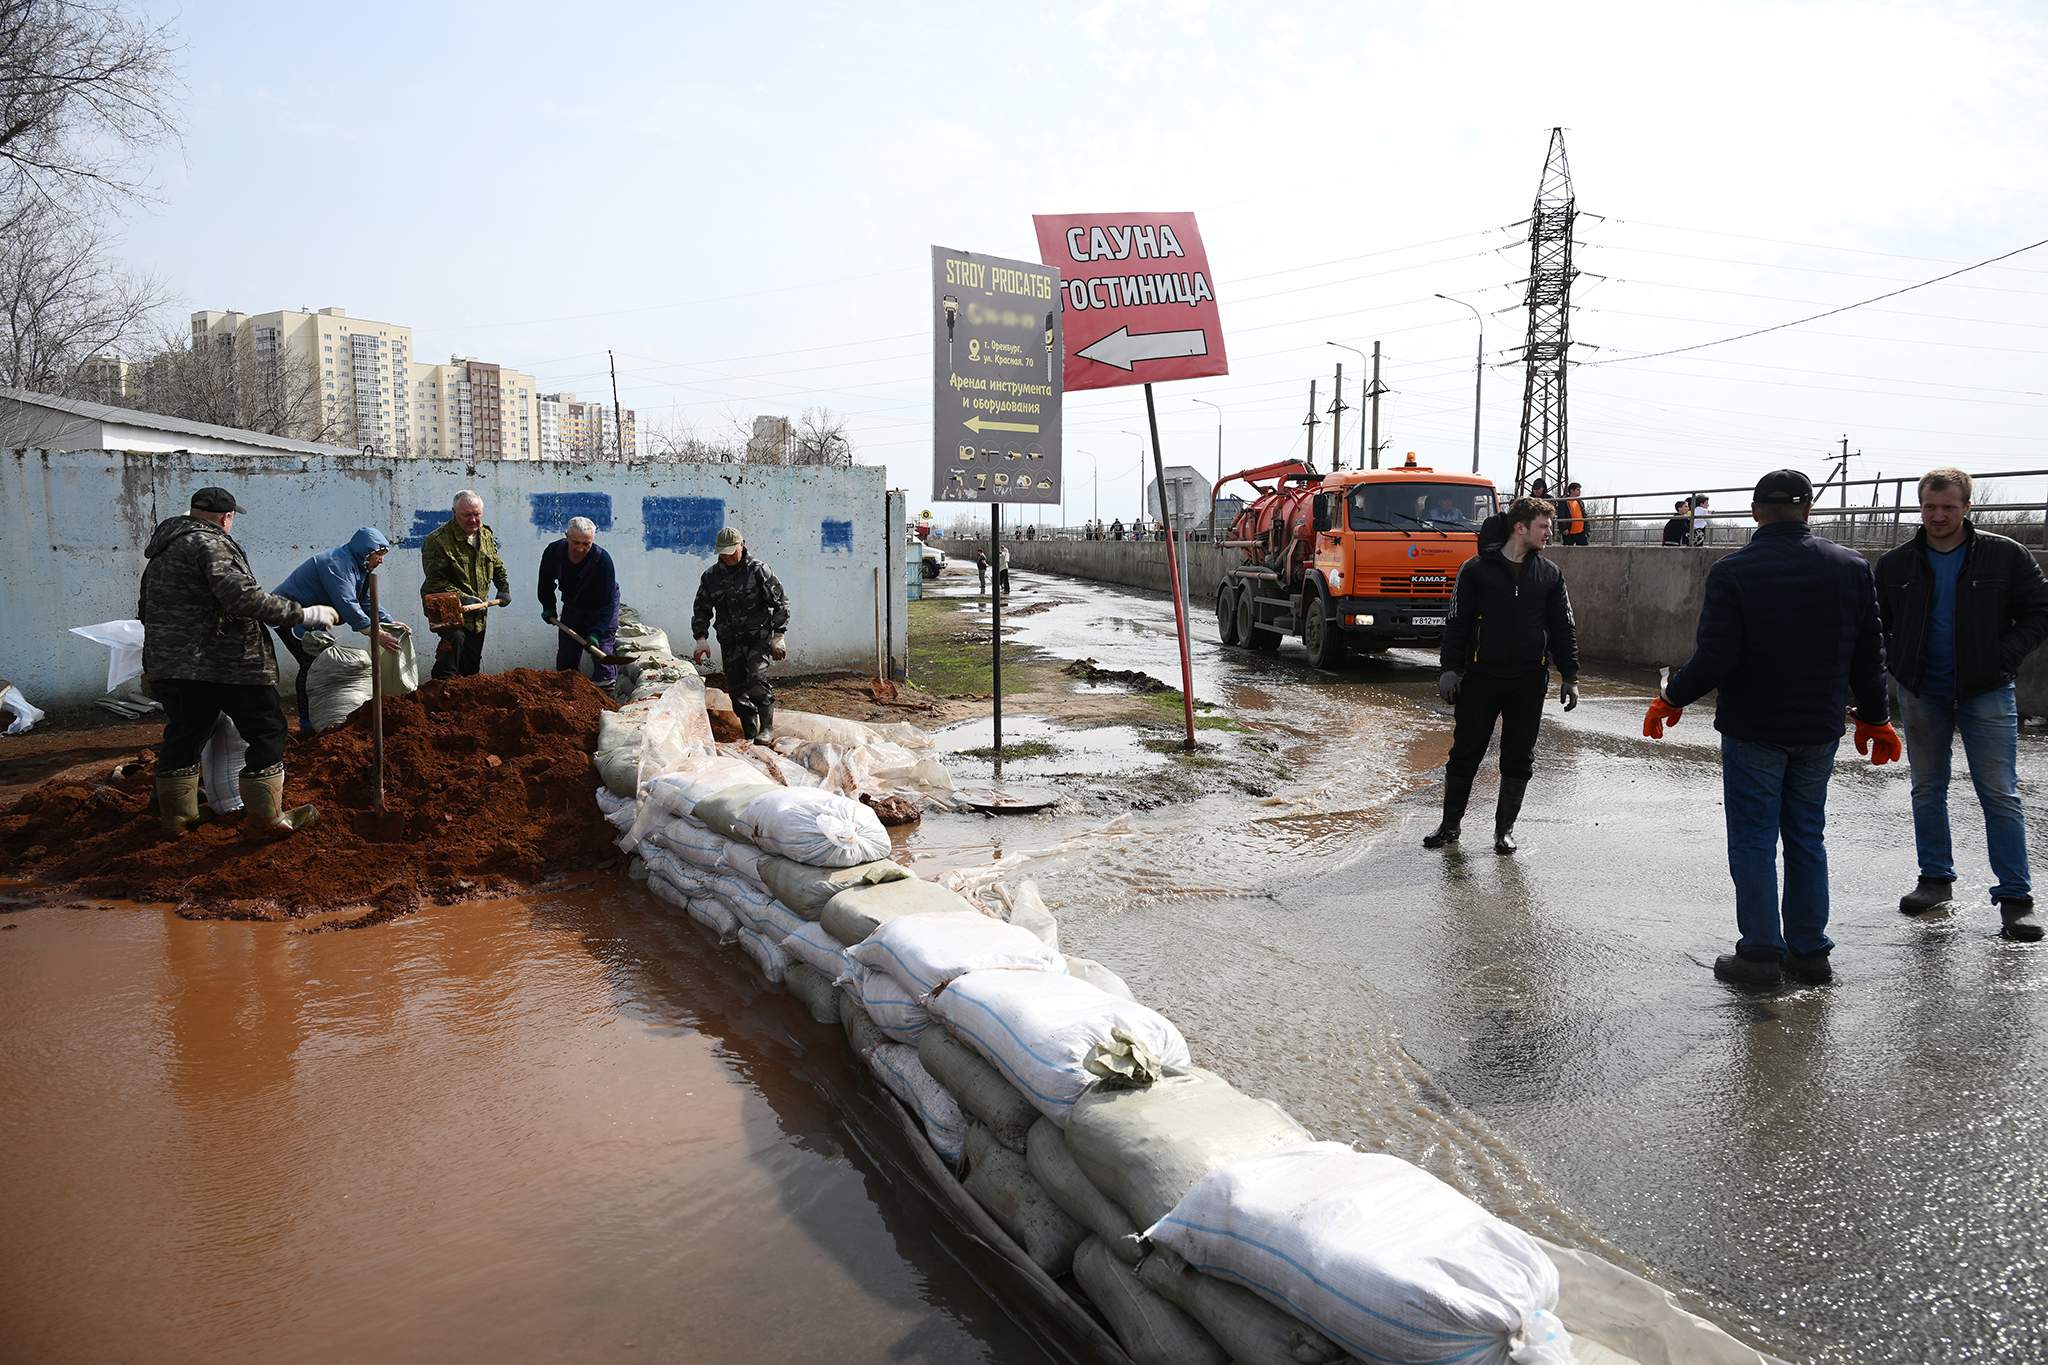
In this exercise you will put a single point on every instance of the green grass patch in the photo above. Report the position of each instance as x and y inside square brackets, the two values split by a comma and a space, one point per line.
[1028, 748]
[1168, 707]
[1172, 748]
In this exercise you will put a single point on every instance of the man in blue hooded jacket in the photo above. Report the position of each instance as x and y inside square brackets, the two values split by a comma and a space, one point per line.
[337, 578]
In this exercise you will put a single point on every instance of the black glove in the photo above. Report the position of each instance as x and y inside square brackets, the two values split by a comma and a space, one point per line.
[1568, 693]
[547, 614]
[1447, 687]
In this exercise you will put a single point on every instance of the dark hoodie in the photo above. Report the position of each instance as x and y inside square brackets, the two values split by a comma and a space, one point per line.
[203, 612]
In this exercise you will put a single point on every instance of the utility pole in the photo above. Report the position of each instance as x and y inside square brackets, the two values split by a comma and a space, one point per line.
[1312, 423]
[1374, 393]
[618, 415]
[1337, 423]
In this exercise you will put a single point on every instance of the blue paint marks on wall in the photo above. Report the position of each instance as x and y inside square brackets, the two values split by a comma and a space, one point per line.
[424, 524]
[551, 511]
[835, 535]
[686, 525]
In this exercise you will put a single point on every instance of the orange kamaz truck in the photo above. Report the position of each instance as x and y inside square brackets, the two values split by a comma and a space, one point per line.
[1359, 559]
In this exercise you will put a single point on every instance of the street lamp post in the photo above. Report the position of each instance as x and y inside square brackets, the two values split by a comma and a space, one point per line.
[1141, 473]
[1365, 382]
[1478, 373]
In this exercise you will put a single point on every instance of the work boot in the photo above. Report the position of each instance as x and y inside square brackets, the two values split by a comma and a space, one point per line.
[263, 804]
[1810, 969]
[177, 800]
[748, 727]
[1457, 791]
[1738, 969]
[1930, 894]
[1504, 815]
[766, 710]
[2018, 914]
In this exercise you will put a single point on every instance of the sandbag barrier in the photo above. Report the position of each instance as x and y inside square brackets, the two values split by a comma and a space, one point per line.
[1196, 1222]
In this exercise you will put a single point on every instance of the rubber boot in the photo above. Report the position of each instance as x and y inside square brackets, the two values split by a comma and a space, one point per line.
[1457, 791]
[2019, 923]
[1512, 789]
[1929, 894]
[177, 800]
[263, 803]
[748, 727]
[766, 711]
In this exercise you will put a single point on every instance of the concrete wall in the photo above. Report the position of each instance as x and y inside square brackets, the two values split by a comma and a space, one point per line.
[74, 524]
[1635, 604]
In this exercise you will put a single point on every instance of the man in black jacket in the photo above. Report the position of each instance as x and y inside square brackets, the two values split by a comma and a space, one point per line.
[1678, 530]
[1788, 631]
[1961, 608]
[1510, 619]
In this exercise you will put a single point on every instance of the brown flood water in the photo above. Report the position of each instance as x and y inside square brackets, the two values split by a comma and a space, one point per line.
[561, 1129]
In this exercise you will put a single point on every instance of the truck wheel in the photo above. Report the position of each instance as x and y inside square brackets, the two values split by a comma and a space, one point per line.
[1320, 635]
[1226, 614]
[1251, 634]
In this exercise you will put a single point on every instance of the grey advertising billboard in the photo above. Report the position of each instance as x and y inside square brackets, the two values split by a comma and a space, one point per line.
[997, 356]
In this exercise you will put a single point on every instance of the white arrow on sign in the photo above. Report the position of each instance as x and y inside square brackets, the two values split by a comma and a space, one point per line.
[1124, 351]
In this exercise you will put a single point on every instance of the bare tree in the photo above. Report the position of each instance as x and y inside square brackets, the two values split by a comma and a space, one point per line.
[819, 437]
[681, 441]
[218, 380]
[62, 302]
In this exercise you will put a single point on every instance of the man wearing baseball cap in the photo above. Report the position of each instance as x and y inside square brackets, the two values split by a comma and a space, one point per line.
[204, 653]
[1788, 633]
[752, 614]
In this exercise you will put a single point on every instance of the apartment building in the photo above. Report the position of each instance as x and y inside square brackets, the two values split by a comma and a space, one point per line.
[364, 366]
[475, 410]
[574, 430]
[109, 379]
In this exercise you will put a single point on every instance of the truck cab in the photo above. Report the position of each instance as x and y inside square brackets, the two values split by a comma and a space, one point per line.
[1362, 559]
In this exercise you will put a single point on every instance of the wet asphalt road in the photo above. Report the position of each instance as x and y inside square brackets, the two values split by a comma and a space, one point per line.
[1852, 1173]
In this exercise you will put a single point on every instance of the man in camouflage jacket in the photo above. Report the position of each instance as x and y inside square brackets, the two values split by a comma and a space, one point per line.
[462, 557]
[752, 615]
[204, 653]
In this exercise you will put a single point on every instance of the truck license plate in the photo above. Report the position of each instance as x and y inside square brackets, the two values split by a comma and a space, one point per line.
[1427, 621]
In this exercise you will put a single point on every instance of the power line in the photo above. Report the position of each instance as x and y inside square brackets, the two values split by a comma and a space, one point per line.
[1786, 241]
[1779, 327]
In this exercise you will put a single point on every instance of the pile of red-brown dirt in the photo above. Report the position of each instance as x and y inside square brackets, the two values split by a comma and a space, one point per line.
[488, 789]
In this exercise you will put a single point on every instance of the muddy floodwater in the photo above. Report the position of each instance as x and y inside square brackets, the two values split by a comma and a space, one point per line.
[559, 1130]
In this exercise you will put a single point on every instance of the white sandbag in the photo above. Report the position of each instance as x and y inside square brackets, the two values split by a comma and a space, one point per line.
[1152, 1331]
[338, 680]
[859, 910]
[895, 1012]
[898, 1068]
[861, 1034]
[813, 826]
[979, 1088]
[1095, 974]
[1053, 1036]
[220, 767]
[618, 769]
[818, 950]
[677, 734]
[762, 913]
[924, 952]
[1000, 1183]
[713, 916]
[812, 991]
[1381, 1257]
[124, 640]
[1045, 1152]
[21, 717]
[808, 890]
[724, 810]
[1250, 1330]
[611, 805]
[1147, 1146]
[678, 793]
[807, 726]
[766, 955]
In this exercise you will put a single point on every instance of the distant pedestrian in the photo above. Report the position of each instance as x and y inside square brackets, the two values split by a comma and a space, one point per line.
[1678, 530]
[1510, 620]
[1116, 529]
[1961, 608]
[461, 556]
[981, 571]
[1702, 515]
[1572, 518]
[1540, 490]
[589, 584]
[1003, 570]
[1788, 633]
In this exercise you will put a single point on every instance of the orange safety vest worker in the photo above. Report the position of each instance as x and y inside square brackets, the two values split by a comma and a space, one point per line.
[1574, 517]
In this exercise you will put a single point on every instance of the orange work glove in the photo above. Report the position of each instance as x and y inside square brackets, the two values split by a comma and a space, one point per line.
[1661, 714]
[1881, 742]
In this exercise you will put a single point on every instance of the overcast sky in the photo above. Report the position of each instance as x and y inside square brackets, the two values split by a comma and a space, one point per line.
[743, 204]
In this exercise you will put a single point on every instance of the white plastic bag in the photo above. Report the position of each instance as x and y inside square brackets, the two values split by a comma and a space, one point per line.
[924, 952]
[899, 1069]
[220, 767]
[25, 716]
[1379, 1256]
[1041, 1028]
[812, 826]
[124, 638]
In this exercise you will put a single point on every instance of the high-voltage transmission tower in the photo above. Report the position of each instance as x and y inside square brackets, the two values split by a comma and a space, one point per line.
[1543, 452]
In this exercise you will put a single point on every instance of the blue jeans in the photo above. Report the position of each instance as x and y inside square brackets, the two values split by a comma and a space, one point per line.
[1990, 722]
[1773, 791]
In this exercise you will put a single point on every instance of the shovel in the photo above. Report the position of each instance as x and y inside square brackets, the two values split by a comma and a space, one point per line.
[383, 823]
[608, 660]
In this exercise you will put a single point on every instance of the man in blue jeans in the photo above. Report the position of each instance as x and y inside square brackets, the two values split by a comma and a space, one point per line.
[1788, 631]
[1961, 608]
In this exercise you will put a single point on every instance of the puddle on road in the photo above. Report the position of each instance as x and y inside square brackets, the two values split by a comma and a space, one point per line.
[557, 1130]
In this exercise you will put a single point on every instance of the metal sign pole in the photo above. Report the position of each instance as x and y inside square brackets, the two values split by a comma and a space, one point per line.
[1180, 606]
[995, 569]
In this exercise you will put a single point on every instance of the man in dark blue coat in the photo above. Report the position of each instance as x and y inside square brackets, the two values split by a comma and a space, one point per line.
[1788, 631]
[582, 570]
